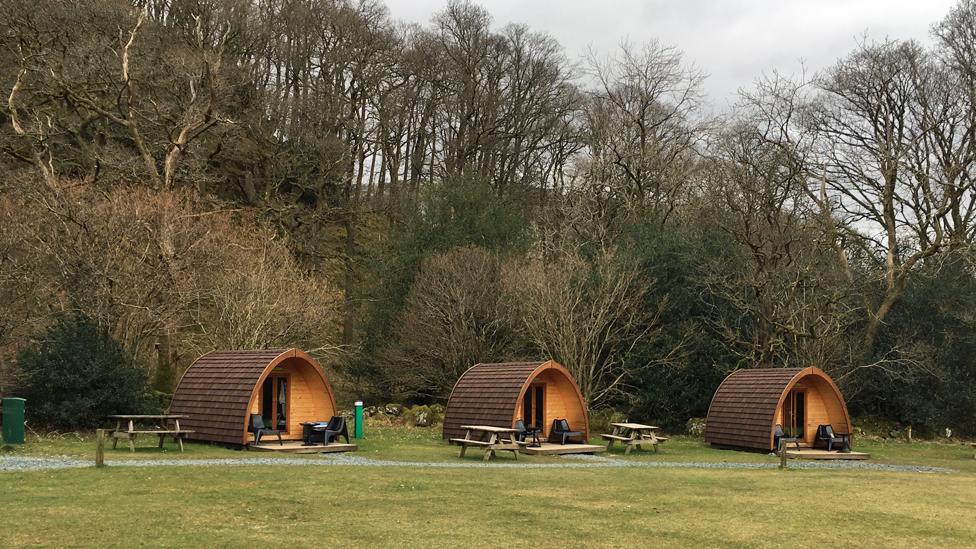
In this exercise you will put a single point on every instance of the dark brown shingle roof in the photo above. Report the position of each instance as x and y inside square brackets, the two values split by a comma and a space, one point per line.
[744, 407]
[487, 394]
[216, 389]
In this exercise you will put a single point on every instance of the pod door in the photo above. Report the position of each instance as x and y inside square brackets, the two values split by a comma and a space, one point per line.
[275, 400]
[533, 406]
[794, 414]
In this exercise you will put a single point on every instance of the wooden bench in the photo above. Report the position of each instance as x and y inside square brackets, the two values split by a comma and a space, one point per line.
[616, 437]
[638, 435]
[466, 442]
[494, 443]
[125, 429]
[633, 442]
[489, 447]
[130, 436]
[482, 443]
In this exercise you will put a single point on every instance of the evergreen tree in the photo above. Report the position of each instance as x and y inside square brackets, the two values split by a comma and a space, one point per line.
[75, 374]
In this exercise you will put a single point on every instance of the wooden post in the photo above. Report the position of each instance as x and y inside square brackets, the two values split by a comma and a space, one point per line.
[782, 454]
[100, 448]
[490, 449]
[464, 445]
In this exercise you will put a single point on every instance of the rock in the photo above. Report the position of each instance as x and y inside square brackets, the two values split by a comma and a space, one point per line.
[695, 427]
[395, 410]
[421, 416]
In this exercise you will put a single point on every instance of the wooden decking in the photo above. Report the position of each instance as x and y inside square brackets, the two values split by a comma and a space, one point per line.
[296, 447]
[811, 453]
[548, 449]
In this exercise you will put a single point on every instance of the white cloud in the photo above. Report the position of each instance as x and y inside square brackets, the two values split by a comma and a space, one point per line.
[734, 41]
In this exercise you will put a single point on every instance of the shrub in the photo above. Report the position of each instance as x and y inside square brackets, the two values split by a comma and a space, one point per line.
[423, 416]
[75, 374]
[600, 420]
[461, 212]
[147, 264]
[454, 317]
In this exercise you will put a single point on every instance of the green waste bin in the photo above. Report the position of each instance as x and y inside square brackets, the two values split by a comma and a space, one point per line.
[13, 420]
[358, 429]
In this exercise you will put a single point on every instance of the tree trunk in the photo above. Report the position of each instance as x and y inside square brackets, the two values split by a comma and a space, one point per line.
[349, 318]
[164, 378]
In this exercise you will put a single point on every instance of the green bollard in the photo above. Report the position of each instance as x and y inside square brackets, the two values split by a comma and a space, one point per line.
[359, 420]
[13, 420]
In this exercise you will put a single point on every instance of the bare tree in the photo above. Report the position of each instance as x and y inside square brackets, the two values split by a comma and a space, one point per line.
[586, 315]
[144, 263]
[790, 302]
[952, 110]
[79, 79]
[641, 122]
[455, 316]
[893, 169]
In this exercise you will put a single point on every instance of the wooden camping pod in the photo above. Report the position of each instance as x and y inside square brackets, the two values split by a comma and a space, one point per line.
[221, 389]
[496, 395]
[749, 404]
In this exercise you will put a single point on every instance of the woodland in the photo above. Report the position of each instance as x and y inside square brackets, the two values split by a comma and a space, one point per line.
[404, 201]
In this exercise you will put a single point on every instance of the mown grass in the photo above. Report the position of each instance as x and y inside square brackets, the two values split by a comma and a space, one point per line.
[82, 446]
[951, 455]
[410, 507]
[399, 443]
[223, 506]
[958, 456]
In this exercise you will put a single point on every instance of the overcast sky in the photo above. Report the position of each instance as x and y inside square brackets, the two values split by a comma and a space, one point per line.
[733, 41]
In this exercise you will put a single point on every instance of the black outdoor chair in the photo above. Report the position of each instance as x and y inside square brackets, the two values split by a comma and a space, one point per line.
[522, 432]
[827, 436]
[335, 428]
[562, 432]
[779, 435]
[259, 430]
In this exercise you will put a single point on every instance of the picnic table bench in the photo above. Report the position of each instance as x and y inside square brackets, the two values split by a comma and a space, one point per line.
[125, 429]
[633, 435]
[493, 443]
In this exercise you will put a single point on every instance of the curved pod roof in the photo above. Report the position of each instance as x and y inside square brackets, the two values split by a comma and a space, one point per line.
[491, 394]
[743, 411]
[217, 391]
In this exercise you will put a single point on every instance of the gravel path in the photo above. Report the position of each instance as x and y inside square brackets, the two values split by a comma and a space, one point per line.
[9, 464]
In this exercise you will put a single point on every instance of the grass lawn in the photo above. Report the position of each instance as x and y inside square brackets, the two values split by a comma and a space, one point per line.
[398, 443]
[410, 506]
[361, 507]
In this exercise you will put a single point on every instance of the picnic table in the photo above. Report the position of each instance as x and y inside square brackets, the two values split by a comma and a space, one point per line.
[125, 428]
[633, 435]
[493, 443]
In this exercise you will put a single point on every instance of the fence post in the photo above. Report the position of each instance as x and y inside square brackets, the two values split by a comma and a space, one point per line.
[782, 454]
[100, 448]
